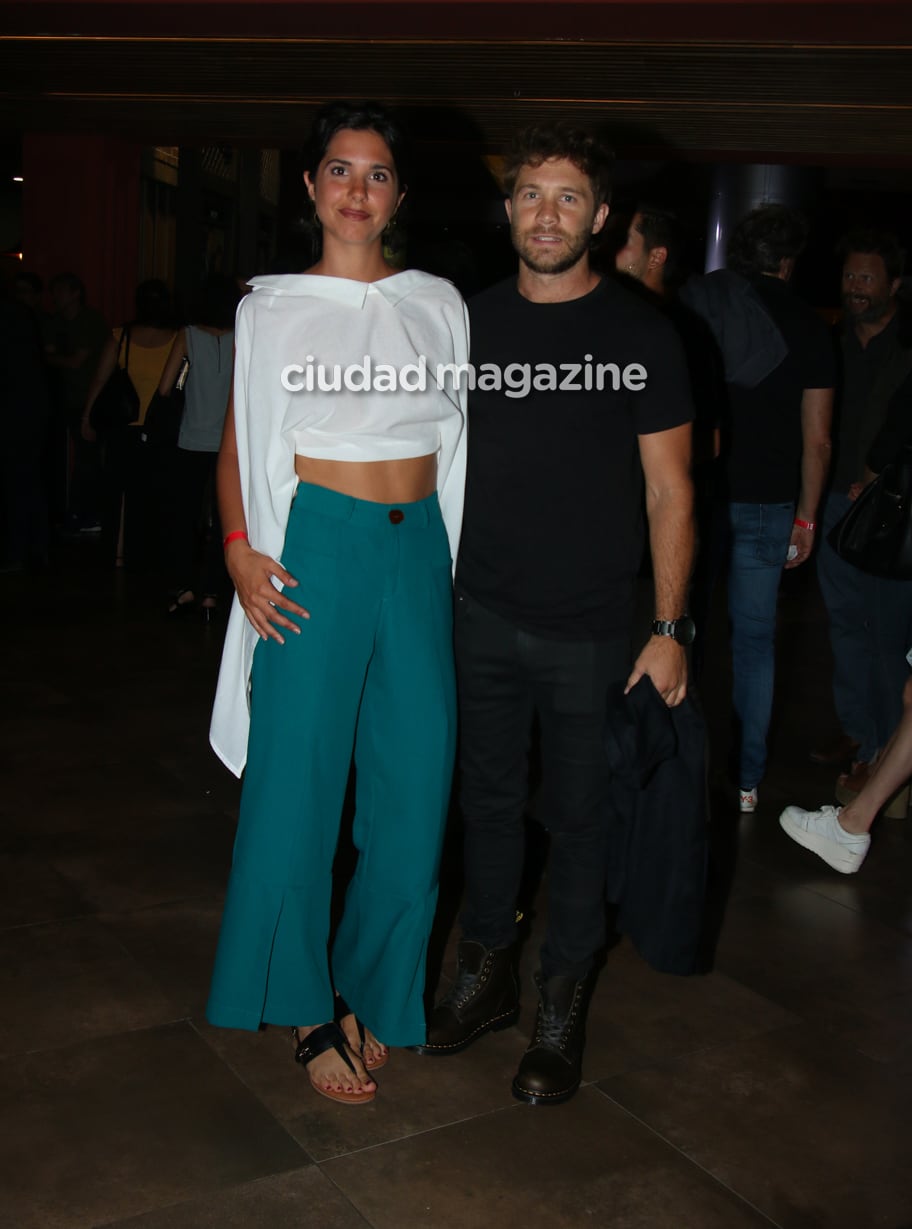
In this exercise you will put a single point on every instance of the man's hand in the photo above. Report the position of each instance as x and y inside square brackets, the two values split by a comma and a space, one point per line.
[665, 456]
[665, 661]
[803, 542]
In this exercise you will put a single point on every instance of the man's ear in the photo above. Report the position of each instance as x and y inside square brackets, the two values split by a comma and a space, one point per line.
[508, 206]
[601, 217]
[657, 257]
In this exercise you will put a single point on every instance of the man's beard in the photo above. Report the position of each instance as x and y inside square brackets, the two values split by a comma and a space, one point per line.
[874, 312]
[557, 261]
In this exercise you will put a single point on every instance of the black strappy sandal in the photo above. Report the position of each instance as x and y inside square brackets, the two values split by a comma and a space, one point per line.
[178, 609]
[328, 1037]
[343, 1010]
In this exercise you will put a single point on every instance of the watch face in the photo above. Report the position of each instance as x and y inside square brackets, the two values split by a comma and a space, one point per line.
[685, 630]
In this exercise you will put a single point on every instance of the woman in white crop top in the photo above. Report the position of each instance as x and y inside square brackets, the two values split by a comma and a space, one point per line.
[340, 490]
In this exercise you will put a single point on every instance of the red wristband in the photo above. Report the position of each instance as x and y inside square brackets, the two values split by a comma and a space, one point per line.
[812, 525]
[235, 537]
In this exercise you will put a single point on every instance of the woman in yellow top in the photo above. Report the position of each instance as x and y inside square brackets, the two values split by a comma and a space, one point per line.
[130, 494]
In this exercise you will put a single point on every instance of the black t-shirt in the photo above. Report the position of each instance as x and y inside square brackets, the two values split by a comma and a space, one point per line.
[871, 375]
[896, 432]
[553, 530]
[761, 433]
[86, 331]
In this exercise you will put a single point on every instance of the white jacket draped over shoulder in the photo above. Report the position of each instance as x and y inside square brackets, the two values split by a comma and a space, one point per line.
[292, 332]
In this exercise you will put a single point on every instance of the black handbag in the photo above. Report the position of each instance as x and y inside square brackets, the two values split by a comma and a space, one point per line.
[876, 532]
[161, 426]
[117, 405]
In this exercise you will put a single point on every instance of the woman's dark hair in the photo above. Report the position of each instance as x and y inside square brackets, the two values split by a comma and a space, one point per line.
[334, 117]
[541, 142]
[766, 237]
[153, 304]
[214, 302]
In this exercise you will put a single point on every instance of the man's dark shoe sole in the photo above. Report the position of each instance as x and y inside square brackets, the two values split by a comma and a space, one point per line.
[490, 1026]
[544, 1098]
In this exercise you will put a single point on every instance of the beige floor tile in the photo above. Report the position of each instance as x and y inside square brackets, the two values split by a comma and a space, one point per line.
[302, 1199]
[72, 980]
[562, 1167]
[100, 1130]
[804, 1128]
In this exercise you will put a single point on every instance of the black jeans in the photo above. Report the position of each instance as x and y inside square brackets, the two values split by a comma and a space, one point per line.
[135, 475]
[505, 676]
[85, 483]
[192, 506]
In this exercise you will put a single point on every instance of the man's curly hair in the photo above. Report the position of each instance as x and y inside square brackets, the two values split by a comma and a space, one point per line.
[541, 142]
[871, 241]
[766, 237]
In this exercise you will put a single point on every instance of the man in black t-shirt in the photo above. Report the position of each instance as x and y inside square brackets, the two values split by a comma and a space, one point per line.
[868, 616]
[580, 391]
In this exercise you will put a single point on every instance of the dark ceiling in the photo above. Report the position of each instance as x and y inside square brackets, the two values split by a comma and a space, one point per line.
[829, 84]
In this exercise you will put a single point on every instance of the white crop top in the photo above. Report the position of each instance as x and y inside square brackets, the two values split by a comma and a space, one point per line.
[346, 371]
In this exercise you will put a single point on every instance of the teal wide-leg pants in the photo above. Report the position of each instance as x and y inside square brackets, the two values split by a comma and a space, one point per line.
[372, 671]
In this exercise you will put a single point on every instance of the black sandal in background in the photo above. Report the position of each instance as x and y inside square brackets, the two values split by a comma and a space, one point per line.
[209, 608]
[178, 609]
[343, 1010]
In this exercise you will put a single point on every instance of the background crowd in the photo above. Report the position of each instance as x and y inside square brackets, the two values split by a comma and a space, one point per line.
[797, 412]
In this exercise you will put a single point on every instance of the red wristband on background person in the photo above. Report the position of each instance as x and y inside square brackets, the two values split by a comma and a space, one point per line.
[235, 537]
[812, 525]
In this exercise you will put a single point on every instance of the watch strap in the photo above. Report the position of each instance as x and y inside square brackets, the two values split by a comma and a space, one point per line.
[664, 627]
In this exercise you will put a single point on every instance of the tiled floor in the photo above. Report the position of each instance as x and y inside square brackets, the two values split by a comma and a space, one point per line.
[772, 1091]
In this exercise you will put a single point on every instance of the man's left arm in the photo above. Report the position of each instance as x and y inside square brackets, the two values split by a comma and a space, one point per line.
[665, 457]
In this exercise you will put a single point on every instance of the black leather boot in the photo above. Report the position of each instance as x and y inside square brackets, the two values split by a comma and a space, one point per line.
[551, 1068]
[484, 997]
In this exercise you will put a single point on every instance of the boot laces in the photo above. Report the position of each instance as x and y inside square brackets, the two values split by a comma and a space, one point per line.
[466, 985]
[551, 1028]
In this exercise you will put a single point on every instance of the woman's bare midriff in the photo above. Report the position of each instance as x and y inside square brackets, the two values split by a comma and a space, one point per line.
[381, 482]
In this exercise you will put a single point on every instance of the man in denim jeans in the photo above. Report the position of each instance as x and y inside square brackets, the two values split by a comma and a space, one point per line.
[868, 616]
[775, 441]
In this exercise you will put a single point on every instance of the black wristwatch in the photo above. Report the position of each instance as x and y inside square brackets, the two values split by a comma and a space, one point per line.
[681, 630]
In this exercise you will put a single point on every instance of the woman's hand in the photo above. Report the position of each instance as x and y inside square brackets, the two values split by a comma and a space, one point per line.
[171, 369]
[262, 602]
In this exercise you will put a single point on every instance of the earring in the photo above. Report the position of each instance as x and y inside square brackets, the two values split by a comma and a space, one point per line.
[389, 228]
